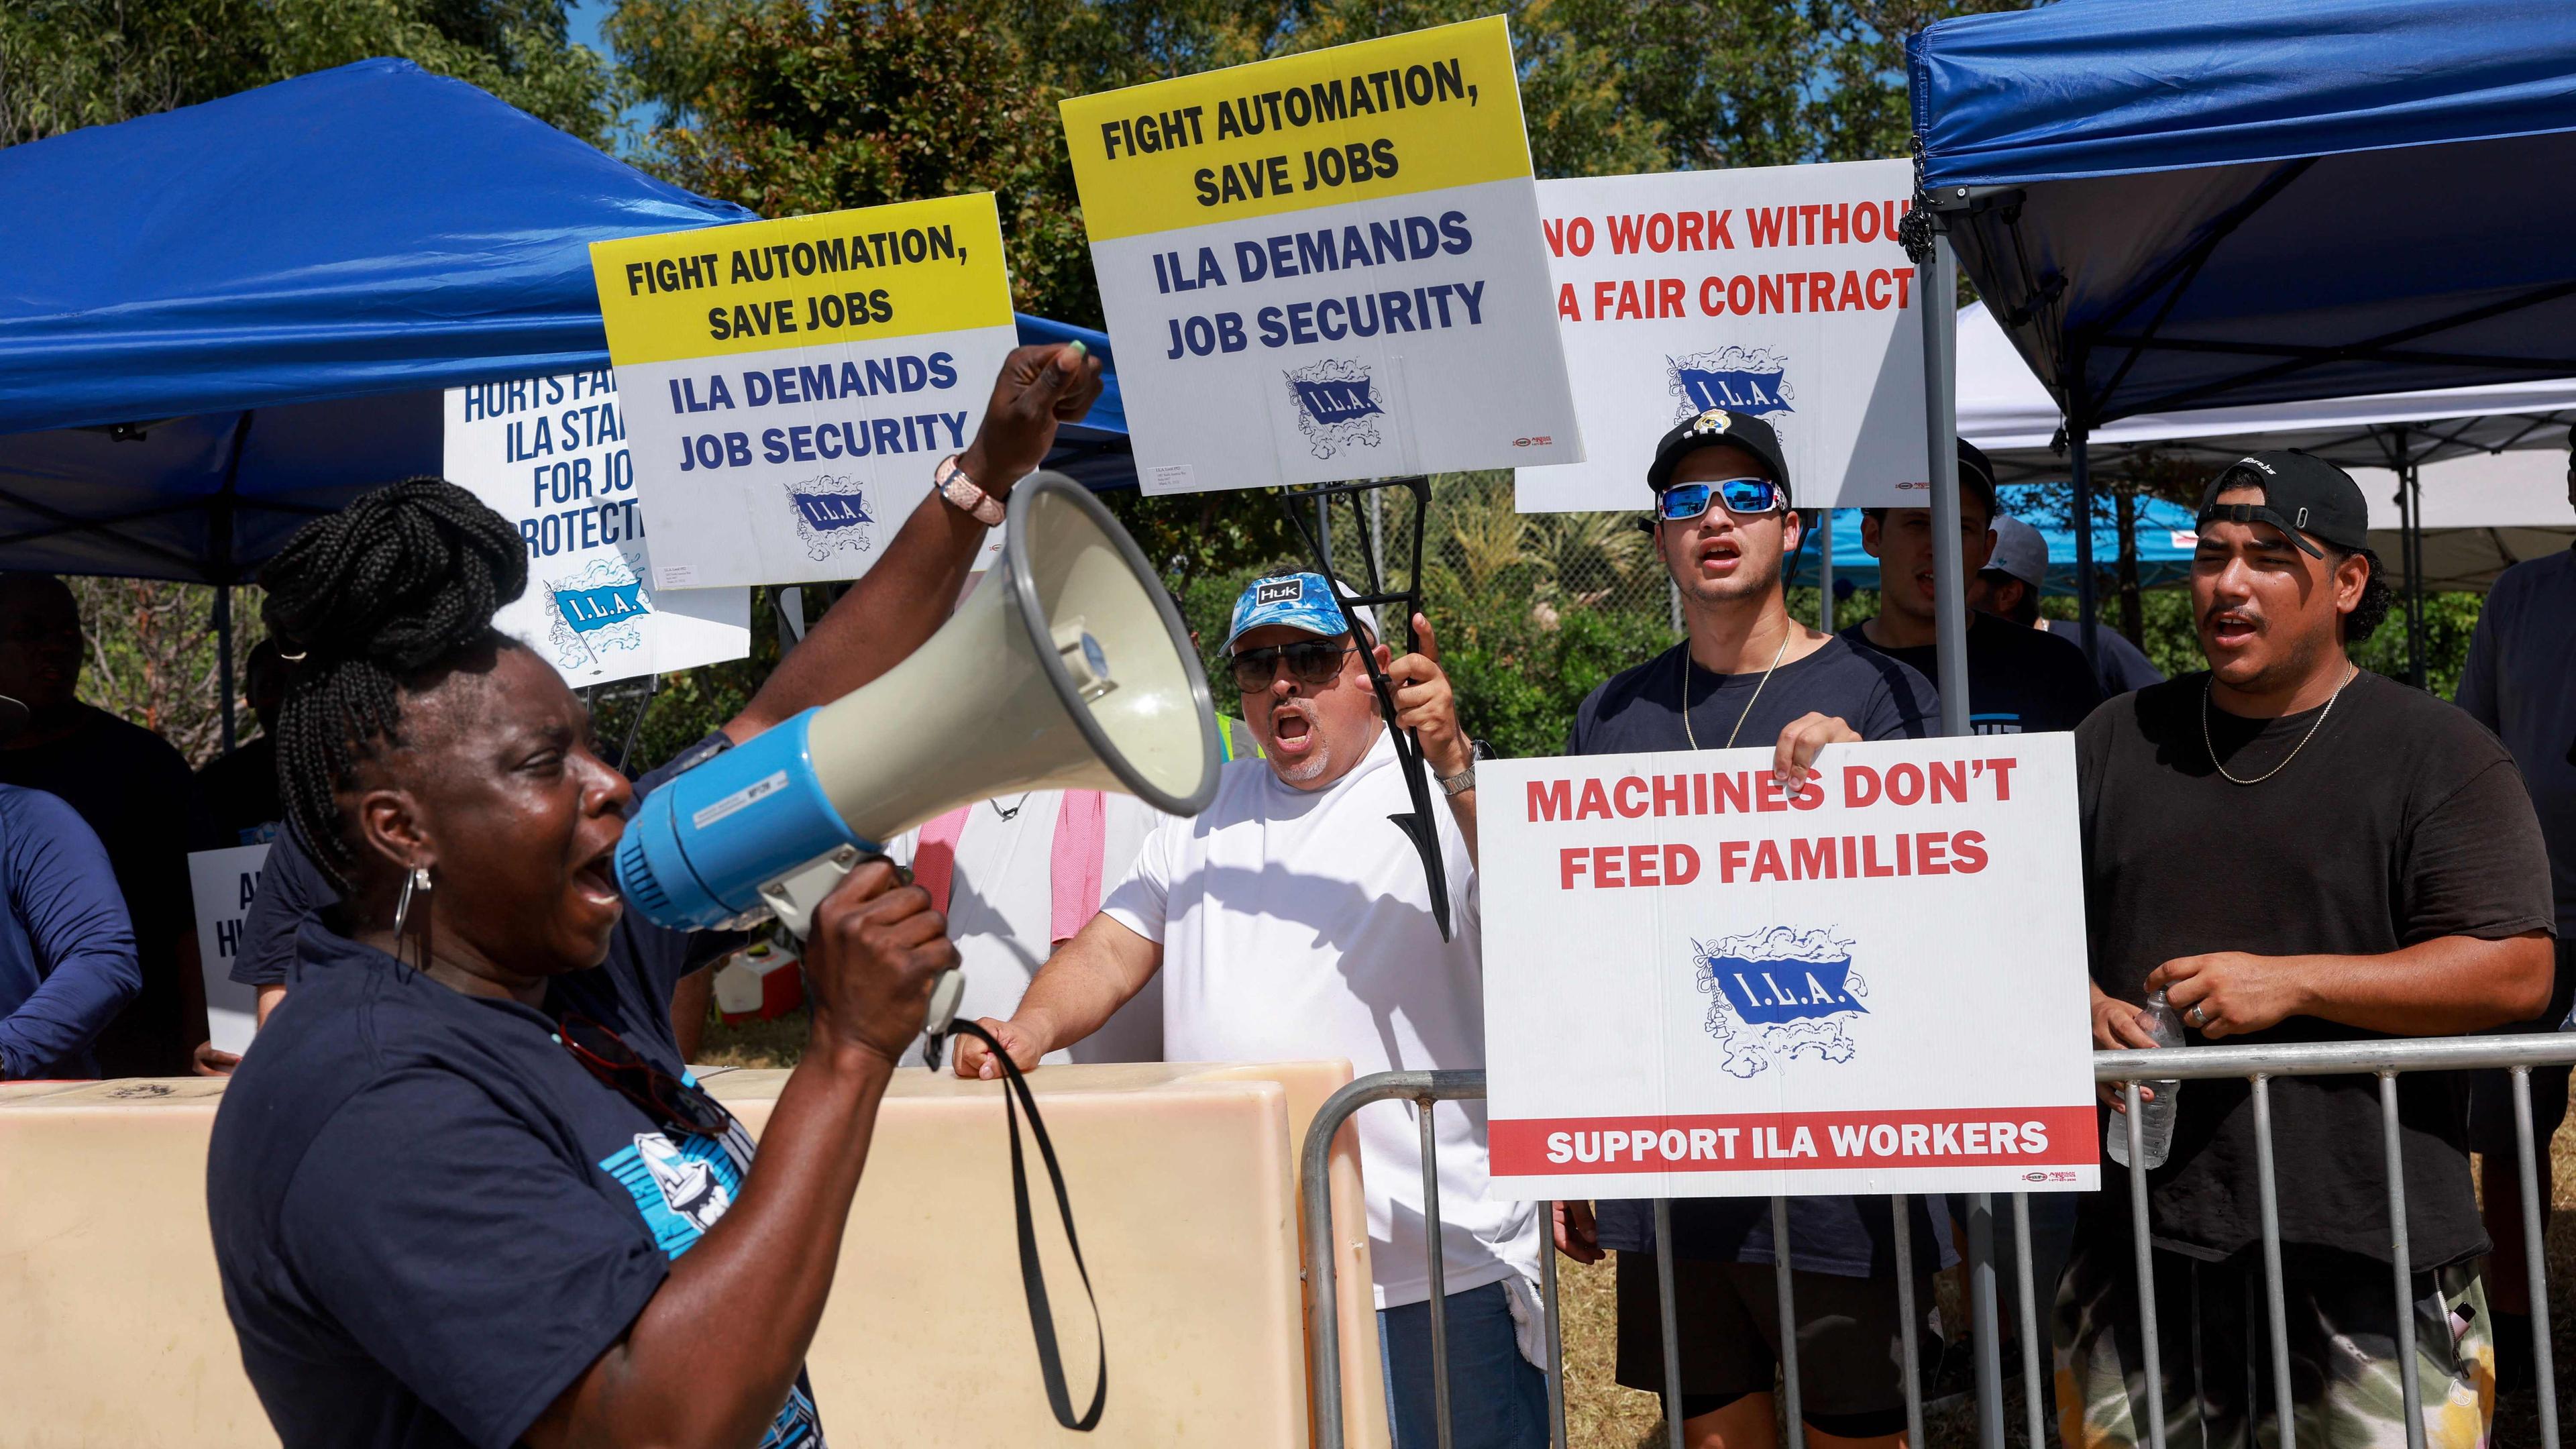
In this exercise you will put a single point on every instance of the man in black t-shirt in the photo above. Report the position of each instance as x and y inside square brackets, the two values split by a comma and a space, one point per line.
[1748, 674]
[241, 787]
[2295, 850]
[2020, 681]
[135, 791]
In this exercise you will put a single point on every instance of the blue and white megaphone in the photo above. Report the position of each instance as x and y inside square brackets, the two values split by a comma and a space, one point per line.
[1069, 668]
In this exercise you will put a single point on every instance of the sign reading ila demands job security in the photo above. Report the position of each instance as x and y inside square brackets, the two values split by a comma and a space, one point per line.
[550, 454]
[1781, 292]
[1698, 985]
[1326, 266]
[789, 386]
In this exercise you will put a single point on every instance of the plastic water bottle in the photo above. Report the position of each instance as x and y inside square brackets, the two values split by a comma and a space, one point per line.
[2156, 1113]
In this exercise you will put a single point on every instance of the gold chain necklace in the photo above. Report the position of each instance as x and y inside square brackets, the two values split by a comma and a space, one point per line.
[1687, 733]
[2210, 687]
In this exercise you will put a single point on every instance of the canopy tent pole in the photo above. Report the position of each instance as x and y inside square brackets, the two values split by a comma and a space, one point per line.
[1825, 570]
[2079, 466]
[224, 656]
[1939, 281]
[2412, 482]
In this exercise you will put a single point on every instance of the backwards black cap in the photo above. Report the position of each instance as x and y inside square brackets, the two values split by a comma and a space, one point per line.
[1707, 430]
[2304, 496]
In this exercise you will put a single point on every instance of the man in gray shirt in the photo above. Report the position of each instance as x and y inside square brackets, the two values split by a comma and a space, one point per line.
[2520, 681]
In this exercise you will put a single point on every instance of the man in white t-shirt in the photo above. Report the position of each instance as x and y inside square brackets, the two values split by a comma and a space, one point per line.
[1017, 876]
[1292, 919]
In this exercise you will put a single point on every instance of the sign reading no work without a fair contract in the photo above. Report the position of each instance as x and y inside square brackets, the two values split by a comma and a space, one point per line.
[1697, 985]
[789, 386]
[1780, 292]
[550, 455]
[1326, 266]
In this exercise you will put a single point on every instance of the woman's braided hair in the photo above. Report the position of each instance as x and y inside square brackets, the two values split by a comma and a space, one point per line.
[390, 593]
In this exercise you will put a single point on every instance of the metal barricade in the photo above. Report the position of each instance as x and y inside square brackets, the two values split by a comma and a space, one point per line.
[2256, 1065]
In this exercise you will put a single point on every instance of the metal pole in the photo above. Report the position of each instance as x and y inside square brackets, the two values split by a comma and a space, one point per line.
[2149, 1347]
[1909, 1318]
[2283, 1406]
[1675, 590]
[2079, 466]
[1438, 1265]
[2400, 1263]
[2025, 1273]
[1555, 1325]
[224, 657]
[1981, 1309]
[1825, 571]
[1783, 1289]
[1671, 1315]
[2535, 1263]
[2414, 486]
[1939, 288]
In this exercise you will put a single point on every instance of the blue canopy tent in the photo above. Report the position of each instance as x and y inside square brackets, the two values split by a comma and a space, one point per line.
[2163, 540]
[218, 322]
[2182, 204]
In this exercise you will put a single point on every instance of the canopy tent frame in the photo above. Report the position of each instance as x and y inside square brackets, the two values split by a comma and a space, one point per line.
[2070, 346]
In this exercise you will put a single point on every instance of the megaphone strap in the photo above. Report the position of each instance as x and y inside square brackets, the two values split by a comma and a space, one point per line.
[1016, 1095]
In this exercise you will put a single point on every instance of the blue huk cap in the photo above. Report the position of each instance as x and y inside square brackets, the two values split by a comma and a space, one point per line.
[1300, 601]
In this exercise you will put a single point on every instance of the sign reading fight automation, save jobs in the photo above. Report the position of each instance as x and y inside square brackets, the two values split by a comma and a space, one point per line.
[222, 882]
[1697, 985]
[1778, 291]
[550, 455]
[789, 386]
[1326, 266]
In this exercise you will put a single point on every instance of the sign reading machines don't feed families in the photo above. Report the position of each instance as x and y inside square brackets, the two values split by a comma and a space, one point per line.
[1700, 985]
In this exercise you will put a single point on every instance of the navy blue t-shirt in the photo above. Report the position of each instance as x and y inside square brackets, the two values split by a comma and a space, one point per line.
[1640, 710]
[2020, 681]
[291, 889]
[430, 1219]
[67, 962]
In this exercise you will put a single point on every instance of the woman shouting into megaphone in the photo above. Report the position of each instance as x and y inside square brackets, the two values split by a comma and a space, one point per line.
[463, 1190]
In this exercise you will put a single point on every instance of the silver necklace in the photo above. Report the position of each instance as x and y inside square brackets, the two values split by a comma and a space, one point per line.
[1014, 812]
[2210, 686]
[1687, 732]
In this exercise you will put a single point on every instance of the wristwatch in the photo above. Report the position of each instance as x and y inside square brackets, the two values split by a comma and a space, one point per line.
[1458, 784]
[963, 493]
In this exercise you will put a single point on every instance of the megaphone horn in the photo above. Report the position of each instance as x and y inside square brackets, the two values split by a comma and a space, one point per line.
[1069, 670]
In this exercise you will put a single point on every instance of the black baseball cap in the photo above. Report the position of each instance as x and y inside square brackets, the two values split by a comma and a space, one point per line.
[2304, 496]
[1707, 430]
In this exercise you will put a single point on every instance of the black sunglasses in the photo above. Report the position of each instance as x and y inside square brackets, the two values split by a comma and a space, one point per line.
[1310, 662]
[672, 1102]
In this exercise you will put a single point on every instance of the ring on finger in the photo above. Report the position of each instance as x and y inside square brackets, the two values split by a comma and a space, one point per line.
[2198, 1016]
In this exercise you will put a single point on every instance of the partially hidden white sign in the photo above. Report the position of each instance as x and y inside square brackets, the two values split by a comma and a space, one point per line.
[1698, 985]
[549, 454]
[1778, 291]
[223, 882]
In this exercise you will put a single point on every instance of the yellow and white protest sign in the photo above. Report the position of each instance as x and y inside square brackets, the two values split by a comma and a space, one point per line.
[1777, 291]
[1326, 266]
[550, 454]
[1698, 984]
[789, 386]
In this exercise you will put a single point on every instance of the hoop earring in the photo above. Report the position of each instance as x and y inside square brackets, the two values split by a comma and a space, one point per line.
[417, 880]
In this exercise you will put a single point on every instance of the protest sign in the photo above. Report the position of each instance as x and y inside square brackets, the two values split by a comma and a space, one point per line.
[790, 385]
[223, 882]
[550, 455]
[1325, 266]
[1697, 985]
[1779, 291]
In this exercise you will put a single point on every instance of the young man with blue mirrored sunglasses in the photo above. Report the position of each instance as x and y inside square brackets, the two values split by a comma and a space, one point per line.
[1749, 674]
